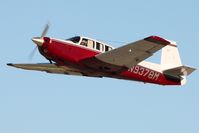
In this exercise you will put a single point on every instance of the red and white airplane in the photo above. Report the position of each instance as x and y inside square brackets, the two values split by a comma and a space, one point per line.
[88, 57]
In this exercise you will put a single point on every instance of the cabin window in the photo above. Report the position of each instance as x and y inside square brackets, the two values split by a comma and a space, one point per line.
[99, 46]
[91, 44]
[107, 48]
[84, 42]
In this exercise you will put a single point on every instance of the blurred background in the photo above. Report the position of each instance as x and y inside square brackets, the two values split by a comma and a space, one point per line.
[37, 102]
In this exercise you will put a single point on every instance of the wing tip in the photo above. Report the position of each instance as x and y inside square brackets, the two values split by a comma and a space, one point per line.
[157, 39]
[9, 64]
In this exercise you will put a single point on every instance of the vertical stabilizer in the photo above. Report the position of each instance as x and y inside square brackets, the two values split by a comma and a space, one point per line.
[170, 57]
[171, 63]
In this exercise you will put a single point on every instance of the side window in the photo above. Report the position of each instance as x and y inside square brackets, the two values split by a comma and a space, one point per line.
[107, 48]
[84, 42]
[91, 44]
[99, 46]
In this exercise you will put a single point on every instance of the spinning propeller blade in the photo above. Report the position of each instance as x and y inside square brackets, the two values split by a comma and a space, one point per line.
[39, 40]
[45, 30]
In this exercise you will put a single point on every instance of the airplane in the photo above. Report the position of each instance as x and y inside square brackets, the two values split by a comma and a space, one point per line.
[84, 56]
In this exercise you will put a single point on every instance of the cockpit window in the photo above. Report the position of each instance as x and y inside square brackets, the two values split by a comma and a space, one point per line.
[74, 39]
[84, 42]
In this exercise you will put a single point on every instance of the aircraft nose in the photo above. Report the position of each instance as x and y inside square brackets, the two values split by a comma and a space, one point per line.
[38, 41]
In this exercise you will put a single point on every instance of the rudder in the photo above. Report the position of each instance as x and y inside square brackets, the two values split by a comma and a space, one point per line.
[170, 57]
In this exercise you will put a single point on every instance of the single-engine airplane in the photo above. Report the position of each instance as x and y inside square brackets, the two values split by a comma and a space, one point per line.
[88, 57]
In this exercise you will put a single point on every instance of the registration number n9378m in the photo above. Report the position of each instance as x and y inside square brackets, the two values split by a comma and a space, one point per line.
[150, 74]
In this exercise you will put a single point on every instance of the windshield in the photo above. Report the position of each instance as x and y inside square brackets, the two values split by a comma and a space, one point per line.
[74, 39]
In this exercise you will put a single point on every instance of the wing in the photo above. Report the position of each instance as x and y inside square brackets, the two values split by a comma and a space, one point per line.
[123, 58]
[54, 68]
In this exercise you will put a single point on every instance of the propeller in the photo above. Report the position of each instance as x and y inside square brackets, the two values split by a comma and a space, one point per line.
[32, 54]
[45, 30]
[39, 40]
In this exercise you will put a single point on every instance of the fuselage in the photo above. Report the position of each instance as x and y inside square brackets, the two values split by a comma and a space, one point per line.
[71, 52]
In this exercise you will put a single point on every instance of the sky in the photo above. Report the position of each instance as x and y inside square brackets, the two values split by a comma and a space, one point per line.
[37, 102]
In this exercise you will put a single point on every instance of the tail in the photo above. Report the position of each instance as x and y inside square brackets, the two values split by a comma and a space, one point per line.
[171, 63]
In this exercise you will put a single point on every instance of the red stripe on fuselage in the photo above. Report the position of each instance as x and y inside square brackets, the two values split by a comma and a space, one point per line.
[147, 75]
[66, 53]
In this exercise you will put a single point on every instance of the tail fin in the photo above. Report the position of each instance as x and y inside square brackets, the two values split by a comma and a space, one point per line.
[170, 57]
[171, 63]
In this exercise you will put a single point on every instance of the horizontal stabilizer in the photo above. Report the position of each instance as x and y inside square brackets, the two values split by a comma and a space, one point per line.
[179, 71]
